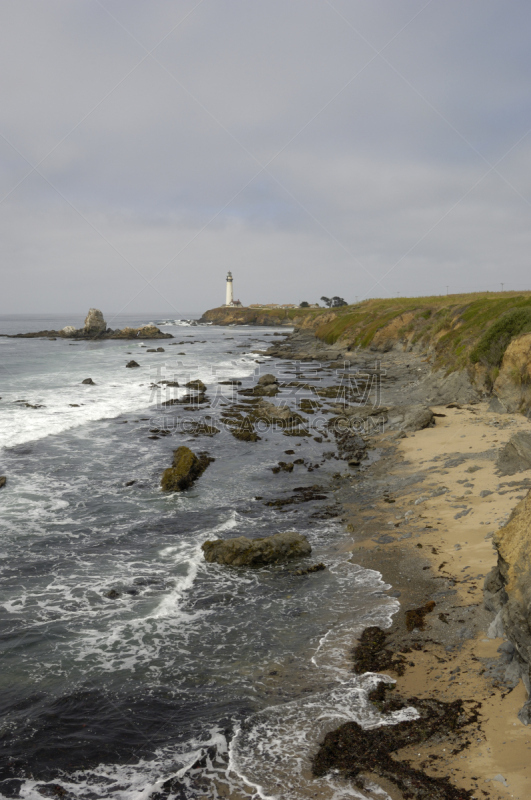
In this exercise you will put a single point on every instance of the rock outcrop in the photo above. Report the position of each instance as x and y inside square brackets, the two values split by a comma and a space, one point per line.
[186, 468]
[508, 591]
[94, 323]
[512, 387]
[95, 327]
[516, 455]
[244, 552]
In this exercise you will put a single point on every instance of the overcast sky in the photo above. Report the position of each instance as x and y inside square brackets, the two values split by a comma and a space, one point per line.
[311, 146]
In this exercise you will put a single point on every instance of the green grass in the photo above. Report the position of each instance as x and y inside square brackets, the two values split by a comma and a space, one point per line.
[461, 329]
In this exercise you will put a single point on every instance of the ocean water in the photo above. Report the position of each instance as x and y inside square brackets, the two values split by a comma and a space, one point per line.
[190, 679]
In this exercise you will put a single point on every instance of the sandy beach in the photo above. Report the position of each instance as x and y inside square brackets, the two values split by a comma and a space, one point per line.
[437, 501]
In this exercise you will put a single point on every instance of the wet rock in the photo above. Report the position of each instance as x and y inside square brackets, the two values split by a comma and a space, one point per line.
[131, 364]
[267, 380]
[415, 617]
[89, 382]
[314, 568]
[244, 552]
[186, 468]
[351, 751]
[516, 455]
[283, 467]
[196, 384]
[3, 481]
[112, 594]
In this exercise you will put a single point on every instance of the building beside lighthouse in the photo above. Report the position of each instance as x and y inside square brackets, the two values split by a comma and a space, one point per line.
[229, 297]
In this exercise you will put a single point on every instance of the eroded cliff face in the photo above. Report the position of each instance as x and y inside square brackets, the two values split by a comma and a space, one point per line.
[513, 384]
[508, 591]
[253, 316]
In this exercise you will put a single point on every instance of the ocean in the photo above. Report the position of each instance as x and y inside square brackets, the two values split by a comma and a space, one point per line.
[130, 667]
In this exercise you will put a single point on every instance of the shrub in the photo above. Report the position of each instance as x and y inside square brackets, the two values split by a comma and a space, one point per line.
[492, 346]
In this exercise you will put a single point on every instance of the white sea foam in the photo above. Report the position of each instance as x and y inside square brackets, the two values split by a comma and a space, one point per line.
[272, 750]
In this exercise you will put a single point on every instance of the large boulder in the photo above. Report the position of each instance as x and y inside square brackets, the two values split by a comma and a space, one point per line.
[516, 455]
[94, 323]
[410, 418]
[244, 552]
[186, 468]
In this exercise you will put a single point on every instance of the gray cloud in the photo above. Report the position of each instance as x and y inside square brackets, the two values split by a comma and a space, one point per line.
[313, 147]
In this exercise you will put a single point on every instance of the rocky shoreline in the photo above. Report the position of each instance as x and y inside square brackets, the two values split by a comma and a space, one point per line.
[415, 514]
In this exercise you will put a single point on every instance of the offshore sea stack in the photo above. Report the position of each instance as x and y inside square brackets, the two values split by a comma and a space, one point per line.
[244, 552]
[94, 323]
[185, 470]
[95, 327]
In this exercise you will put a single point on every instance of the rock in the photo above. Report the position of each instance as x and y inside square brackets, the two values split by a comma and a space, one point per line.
[267, 390]
[508, 589]
[410, 418]
[112, 594]
[441, 388]
[89, 381]
[186, 468]
[512, 387]
[132, 364]
[244, 552]
[496, 406]
[516, 455]
[94, 323]
[197, 384]
[3, 481]
[267, 380]
[68, 330]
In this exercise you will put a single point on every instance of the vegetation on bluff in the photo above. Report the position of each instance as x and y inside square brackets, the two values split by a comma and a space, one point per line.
[461, 330]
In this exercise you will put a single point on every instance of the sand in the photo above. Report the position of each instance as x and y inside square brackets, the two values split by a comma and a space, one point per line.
[457, 656]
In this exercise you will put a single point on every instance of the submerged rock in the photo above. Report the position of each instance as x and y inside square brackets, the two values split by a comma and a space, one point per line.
[244, 552]
[186, 468]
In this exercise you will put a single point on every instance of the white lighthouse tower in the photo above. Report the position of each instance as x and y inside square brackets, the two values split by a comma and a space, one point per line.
[229, 299]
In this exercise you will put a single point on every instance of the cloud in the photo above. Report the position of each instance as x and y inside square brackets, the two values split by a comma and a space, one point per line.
[312, 147]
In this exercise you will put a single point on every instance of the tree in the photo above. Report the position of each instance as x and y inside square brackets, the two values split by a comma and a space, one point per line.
[334, 302]
[304, 304]
[338, 301]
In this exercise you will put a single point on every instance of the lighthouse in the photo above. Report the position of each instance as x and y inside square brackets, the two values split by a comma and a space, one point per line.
[229, 300]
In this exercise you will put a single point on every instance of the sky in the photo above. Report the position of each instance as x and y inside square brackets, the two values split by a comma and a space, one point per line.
[312, 147]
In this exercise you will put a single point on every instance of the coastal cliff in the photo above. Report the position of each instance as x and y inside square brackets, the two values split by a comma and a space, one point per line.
[508, 592]
[289, 317]
[485, 336]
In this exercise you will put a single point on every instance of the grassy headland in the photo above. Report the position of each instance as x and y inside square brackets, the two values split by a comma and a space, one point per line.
[460, 330]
